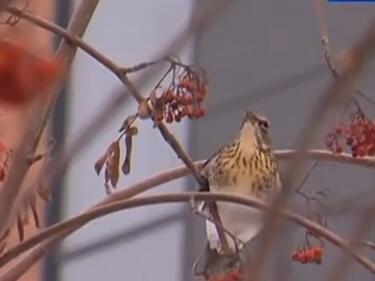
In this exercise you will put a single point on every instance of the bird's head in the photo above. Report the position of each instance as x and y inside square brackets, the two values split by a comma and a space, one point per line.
[255, 129]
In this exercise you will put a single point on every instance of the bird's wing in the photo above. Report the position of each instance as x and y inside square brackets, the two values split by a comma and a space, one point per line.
[205, 168]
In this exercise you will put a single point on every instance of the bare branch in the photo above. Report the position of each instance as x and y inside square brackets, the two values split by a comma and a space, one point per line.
[187, 197]
[159, 179]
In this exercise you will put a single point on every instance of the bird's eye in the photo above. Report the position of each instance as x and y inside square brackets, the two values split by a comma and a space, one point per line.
[263, 124]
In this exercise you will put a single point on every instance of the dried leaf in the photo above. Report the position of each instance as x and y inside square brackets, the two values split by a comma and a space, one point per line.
[103, 159]
[133, 131]
[100, 163]
[143, 110]
[125, 168]
[113, 164]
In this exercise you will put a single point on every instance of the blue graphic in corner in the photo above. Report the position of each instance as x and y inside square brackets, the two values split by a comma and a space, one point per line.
[351, 1]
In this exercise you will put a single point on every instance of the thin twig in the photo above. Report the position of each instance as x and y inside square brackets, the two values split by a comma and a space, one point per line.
[306, 177]
[367, 244]
[141, 66]
[327, 50]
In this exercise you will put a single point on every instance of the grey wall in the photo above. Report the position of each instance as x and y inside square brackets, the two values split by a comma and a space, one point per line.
[266, 56]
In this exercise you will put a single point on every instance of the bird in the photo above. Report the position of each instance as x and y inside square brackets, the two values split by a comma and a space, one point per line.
[247, 167]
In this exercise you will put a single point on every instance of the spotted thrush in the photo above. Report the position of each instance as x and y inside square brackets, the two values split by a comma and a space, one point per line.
[247, 167]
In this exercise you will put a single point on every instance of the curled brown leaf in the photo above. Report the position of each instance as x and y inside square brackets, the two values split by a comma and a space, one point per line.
[125, 168]
[100, 163]
[133, 131]
[112, 165]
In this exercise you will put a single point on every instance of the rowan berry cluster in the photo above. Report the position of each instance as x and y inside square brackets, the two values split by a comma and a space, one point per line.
[183, 98]
[311, 254]
[358, 136]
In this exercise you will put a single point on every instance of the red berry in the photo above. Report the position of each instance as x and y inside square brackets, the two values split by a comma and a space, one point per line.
[295, 256]
[302, 257]
[183, 111]
[169, 118]
[339, 149]
[200, 112]
[349, 141]
[168, 96]
[199, 96]
[190, 112]
[189, 99]
[361, 151]
[318, 252]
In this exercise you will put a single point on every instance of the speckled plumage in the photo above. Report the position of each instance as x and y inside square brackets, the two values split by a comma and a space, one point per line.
[247, 167]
